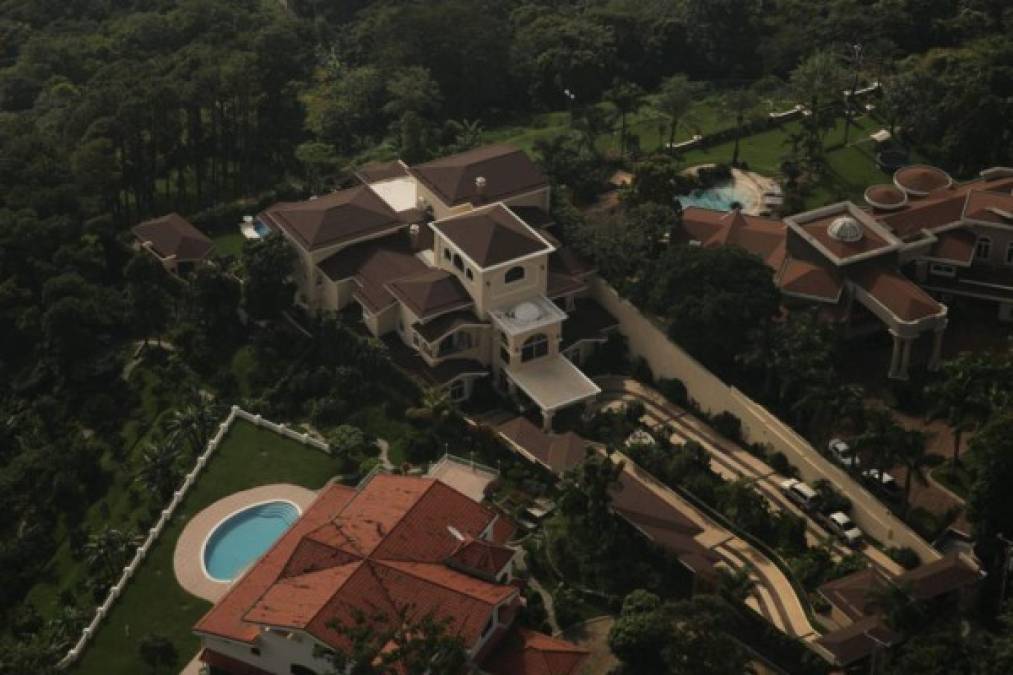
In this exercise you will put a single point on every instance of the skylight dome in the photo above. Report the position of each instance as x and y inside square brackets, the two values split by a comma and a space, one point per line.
[845, 229]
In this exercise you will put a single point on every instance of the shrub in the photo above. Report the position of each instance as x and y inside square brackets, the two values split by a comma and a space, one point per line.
[780, 464]
[642, 371]
[566, 604]
[904, 556]
[728, 425]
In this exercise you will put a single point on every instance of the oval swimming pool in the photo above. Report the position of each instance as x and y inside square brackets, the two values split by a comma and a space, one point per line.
[244, 536]
[720, 198]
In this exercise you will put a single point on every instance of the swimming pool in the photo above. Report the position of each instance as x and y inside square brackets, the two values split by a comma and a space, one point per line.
[719, 198]
[261, 229]
[244, 536]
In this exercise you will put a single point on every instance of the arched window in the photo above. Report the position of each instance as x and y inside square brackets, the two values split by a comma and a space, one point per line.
[514, 274]
[468, 273]
[535, 346]
[458, 261]
[983, 250]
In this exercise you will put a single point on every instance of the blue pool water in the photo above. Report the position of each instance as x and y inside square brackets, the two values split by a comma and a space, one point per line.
[719, 198]
[243, 537]
[261, 229]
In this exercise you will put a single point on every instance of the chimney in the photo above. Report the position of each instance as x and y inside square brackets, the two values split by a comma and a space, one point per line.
[480, 188]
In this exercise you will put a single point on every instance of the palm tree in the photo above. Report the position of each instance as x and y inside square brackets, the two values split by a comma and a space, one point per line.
[877, 444]
[194, 422]
[107, 549]
[435, 406]
[158, 471]
[965, 395]
[591, 122]
[627, 98]
[818, 81]
[742, 104]
[914, 457]
[675, 99]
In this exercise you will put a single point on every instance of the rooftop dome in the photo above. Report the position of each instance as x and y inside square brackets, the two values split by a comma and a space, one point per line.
[845, 229]
[885, 197]
[919, 180]
[526, 312]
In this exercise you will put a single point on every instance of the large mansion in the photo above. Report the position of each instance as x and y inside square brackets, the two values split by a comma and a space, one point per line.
[388, 554]
[451, 261]
[915, 244]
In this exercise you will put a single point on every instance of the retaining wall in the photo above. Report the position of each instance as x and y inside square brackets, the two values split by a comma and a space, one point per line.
[155, 531]
[668, 360]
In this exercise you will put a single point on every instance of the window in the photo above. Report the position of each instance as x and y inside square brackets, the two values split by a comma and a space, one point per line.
[446, 253]
[458, 392]
[983, 249]
[942, 270]
[514, 274]
[1009, 254]
[468, 273]
[458, 262]
[534, 347]
[296, 669]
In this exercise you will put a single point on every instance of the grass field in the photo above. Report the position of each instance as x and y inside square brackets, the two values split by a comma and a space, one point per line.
[229, 243]
[153, 601]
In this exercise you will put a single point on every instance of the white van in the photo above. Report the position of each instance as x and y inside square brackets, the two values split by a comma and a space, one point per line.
[800, 493]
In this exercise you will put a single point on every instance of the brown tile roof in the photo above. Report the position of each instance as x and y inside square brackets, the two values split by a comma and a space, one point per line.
[335, 218]
[445, 372]
[955, 246]
[377, 549]
[430, 292]
[990, 207]
[764, 237]
[480, 557]
[921, 179]
[433, 331]
[812, 280]
[491, 235]
[819, 229]
[373, 264]
[885, 196]
[535, 216]
[901, 296]
[951, 572]
[525, 652]
[378, 171]
[924, 215]
[173, 235]
[557, 452]
[853, 594]
[507, 171]
[859, 640]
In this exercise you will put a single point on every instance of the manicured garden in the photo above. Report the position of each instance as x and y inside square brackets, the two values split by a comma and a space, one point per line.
[153, 601]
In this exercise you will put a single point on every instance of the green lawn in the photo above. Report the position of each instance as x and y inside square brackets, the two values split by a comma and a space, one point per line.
[229, 243]
[153, 601]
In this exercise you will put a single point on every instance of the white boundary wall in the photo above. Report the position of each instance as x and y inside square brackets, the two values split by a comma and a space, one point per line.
[117, 589]
[668, 360]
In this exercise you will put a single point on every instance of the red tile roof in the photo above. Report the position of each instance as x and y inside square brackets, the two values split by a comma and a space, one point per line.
[955, 246]
[525, 652]
[761, 236]
[924, 215]
[901, 296]
[990, 207]
[379, 549]
[921, 179]
[801, 277]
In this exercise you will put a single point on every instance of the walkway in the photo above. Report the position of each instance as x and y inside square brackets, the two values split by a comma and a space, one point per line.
[728, 459]
[186, 559]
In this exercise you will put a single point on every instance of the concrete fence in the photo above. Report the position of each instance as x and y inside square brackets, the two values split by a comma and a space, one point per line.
[668, 360]
[178, 496]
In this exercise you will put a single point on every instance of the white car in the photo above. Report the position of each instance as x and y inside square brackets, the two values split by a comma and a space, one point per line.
[843, 454]
[800, 493]
[845, 528]
[883, 480]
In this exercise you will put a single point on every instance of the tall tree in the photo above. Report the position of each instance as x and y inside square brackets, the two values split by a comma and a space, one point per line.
[626, 98]
[818, 81]
[269, 264]
[743, 104]
[158, 470]
[675, 99]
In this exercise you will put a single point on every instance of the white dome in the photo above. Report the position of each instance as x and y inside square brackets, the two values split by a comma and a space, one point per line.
[845, 229]
[526, 312]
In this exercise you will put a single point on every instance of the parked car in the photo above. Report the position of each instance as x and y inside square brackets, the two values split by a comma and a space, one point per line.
[845, 528]
[842, 453]
[800, 493]
[883, 481]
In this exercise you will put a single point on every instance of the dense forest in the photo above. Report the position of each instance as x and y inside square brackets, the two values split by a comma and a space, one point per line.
[112, 111]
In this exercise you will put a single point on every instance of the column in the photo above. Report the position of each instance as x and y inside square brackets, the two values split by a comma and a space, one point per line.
[547, 416]
[906, 358]
[895, 359]
[937, 346]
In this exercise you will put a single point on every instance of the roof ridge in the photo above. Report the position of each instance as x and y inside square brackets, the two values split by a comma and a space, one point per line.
[393, 564]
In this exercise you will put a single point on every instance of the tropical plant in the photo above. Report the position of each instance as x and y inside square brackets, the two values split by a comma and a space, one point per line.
[157, 651]
[627, 98]
[108, 548]
[736, 585]
[818, 81]
[193, 423]
[675, 99]
[158, 471]
[743, 104]
[434, 406]
[962, 397]
[912, 454]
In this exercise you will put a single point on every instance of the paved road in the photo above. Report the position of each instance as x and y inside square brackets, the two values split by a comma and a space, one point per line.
[728, 459]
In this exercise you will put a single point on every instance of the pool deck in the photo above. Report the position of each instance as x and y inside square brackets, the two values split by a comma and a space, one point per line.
[748, 182]
[186, 559]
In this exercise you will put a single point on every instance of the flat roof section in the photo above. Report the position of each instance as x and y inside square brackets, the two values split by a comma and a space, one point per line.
[826, 229]
[401, 193]
[553, 382]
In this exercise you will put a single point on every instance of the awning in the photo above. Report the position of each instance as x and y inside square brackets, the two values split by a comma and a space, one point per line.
[553, 382]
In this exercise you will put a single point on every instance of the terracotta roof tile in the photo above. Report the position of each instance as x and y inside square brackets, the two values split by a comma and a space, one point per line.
[949, 573]
[924, 215]
[897, 293]
[372, 265]
[525, 652]
[853, 594]
[858, 640]
[430, 292]
[482, 557]
[990, 207]
[812, 280]
[955, 245]
[921, 179]
[173, 235]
